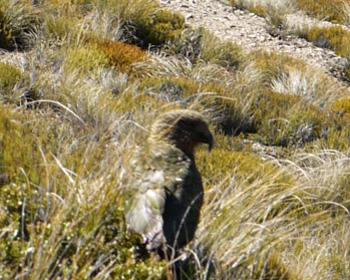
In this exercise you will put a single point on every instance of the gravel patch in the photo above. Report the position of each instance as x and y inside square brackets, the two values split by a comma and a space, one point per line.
[250, 31]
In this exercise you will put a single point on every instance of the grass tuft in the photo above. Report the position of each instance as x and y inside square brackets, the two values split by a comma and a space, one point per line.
[78, 101]
[17, 19]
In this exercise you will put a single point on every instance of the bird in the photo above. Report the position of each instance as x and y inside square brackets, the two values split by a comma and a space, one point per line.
[166, 189]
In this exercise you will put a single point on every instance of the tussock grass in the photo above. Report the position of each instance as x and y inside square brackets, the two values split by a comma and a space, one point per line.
[336, 38]
[310, 83]
[273, 11]
[333, 10]
[260, 220]
[78, 103]
[17, 19]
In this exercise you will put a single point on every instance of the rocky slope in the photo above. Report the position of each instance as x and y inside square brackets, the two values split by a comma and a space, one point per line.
[250, 31]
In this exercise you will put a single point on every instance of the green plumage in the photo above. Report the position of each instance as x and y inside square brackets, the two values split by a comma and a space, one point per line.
[166, 192]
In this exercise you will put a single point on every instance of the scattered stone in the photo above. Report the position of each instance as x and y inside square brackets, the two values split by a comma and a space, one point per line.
[249, 30]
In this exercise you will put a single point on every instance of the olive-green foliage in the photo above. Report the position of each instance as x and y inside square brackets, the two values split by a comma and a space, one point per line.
[17, 19]
[170, 89]
[249, 169]
[276, 197]
[342, 106]
[72, 7]
[273, 65]
[15, 86]
[286, 120]
[335, 38]
[143, 21]
[187, 44]
[131, 102]
[18, 159]
[85, 59]
[41, 204]
[200, 44]
[159, 28]
[228, 115]
[224, 53]
[331, 10]
[59, 27]
[10, 76]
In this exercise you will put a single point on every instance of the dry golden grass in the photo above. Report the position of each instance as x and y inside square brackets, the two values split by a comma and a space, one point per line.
[276, 184]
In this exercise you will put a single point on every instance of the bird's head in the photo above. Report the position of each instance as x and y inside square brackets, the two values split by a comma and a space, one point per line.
[183, 128]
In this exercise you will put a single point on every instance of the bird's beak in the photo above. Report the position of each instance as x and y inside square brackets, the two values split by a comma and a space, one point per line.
[210, 141]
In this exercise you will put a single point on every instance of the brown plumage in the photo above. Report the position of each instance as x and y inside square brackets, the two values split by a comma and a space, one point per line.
[166, 193]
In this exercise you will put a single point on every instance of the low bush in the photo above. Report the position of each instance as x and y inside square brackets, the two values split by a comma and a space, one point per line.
[161, 27]
[121, 55]
[84, 60]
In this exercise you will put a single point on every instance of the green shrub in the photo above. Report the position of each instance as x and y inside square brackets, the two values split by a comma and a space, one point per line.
[84, 60]
[224, 53]
[159, 28]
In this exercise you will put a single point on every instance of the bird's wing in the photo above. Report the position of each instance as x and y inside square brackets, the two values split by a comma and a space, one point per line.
[158, 173]
[147, 207]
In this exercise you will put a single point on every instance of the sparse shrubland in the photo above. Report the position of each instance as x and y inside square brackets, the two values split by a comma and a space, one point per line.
[331, 10]
[335, 37]
[94, 77]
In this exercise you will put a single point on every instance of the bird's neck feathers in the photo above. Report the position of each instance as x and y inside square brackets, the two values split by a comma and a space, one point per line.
[164, 144]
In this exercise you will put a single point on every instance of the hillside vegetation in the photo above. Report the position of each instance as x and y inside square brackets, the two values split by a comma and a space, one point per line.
[80, 83]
